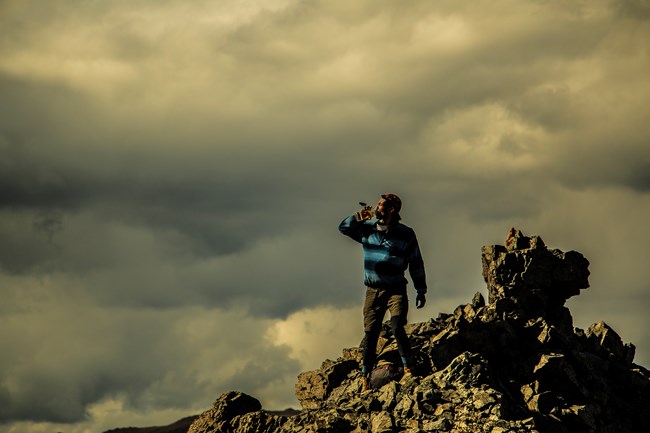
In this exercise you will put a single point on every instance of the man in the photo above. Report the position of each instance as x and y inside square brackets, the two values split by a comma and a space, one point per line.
[389, 247]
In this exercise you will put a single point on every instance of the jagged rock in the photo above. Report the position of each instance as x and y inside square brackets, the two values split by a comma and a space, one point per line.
[467, 369]
[225, 409]
[606, 341]
[381, 422]
[478, 301]
[515, 364]
[314, 386]
[534, 280]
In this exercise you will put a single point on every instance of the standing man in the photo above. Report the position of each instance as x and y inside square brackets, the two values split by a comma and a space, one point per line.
[389, 247]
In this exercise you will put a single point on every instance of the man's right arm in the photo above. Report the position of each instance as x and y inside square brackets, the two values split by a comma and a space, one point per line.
[352, 227]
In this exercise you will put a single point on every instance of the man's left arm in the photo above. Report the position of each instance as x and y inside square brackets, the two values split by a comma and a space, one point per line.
[418, 275]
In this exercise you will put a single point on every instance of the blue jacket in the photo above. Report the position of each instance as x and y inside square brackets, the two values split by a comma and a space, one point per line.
[387, 254]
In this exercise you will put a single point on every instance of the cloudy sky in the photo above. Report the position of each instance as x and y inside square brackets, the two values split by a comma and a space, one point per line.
[172, 175]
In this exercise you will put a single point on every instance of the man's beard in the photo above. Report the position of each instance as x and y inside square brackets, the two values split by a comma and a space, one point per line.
[380, 214]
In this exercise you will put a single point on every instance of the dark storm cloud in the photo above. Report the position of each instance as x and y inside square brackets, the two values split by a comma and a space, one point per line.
[640, 177]
[635, 9]
[46, 170]
[41, 382]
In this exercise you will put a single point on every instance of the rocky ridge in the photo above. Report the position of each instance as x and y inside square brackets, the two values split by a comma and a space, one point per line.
[513, 364]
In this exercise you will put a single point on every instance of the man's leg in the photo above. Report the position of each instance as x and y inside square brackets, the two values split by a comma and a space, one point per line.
[403, 343]
[373, 313]
[398, 306]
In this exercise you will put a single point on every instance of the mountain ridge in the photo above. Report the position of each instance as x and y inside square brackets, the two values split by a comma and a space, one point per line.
[512, 364]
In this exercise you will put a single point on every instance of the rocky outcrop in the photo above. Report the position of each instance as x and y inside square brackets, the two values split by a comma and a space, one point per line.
[513, 364]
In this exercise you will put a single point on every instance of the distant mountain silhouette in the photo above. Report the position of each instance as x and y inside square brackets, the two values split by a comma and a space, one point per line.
[179, 426]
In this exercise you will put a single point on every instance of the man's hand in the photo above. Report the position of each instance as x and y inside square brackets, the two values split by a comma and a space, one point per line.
[420, 300]
[363, 215]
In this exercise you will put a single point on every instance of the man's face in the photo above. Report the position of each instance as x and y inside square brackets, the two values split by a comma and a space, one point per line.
[383, 209]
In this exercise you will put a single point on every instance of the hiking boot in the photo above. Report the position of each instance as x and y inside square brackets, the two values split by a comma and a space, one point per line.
[365, 386]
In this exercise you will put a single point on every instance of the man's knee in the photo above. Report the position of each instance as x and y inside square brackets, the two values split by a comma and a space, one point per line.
[397, 323]
[371, 325]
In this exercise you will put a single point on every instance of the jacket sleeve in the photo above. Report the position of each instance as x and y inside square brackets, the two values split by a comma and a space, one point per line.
[352, 228]
[416, 268]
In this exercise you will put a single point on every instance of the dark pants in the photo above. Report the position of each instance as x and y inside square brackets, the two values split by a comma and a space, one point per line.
[374, 309]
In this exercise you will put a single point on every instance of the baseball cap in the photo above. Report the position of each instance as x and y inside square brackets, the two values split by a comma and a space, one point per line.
[393, 201]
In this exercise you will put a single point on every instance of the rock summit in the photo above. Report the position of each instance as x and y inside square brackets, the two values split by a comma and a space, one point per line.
[513, 364]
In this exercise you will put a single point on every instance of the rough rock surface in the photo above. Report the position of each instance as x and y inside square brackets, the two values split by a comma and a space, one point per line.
[515, 364]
